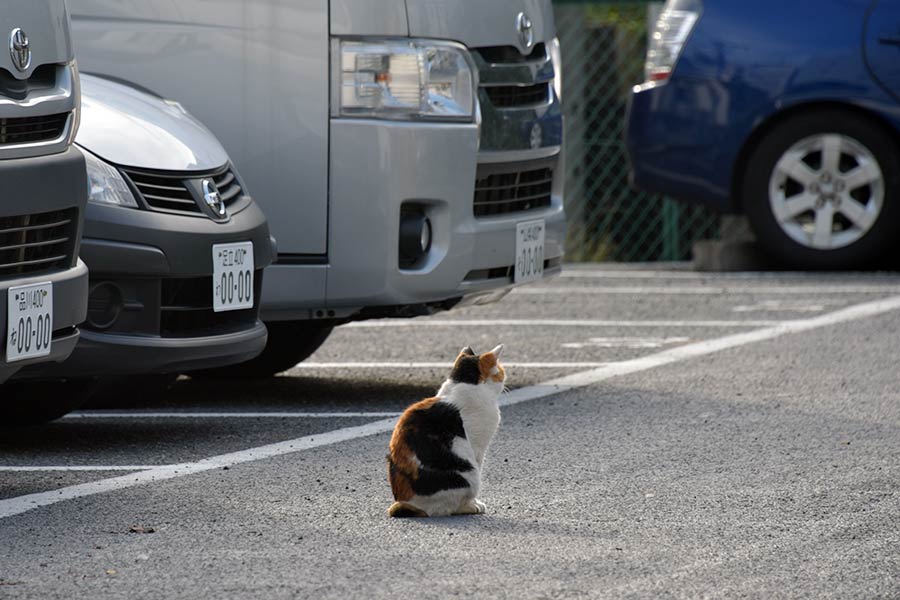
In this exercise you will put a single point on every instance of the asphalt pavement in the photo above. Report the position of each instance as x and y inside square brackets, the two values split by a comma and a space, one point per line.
[669, 433]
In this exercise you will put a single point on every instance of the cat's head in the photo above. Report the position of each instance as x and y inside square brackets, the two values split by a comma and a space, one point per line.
[478, 369]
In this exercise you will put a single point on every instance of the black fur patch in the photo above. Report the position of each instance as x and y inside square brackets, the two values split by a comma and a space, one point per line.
[429, 434]
[466, 370]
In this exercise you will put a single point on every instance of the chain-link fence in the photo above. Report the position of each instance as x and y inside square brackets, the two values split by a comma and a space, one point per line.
[603, 46]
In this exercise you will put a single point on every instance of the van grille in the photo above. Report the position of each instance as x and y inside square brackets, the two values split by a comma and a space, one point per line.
[511, 55]
[31, 130]
[511, 96]
[187, 308]
[37, 243]
[499, 62]
[517, 191]
[180, 192]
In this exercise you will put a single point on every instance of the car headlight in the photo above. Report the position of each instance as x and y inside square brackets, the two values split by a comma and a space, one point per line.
[105, 184]
[403, 79]
[556, 59]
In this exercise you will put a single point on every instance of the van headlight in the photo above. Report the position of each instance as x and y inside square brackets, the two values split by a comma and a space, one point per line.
[403, 79]
[105, 184]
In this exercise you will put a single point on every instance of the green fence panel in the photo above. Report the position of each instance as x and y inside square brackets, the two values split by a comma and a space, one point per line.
[603, 46]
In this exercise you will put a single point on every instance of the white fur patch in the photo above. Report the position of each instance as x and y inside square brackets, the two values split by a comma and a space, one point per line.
[480, 410]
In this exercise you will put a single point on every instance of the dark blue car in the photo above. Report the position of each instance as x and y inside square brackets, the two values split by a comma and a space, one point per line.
[787, 111]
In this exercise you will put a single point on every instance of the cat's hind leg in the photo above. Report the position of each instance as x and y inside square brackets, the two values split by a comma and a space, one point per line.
[402, 510]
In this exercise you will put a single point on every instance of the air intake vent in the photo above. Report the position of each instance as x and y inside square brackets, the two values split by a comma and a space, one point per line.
[187, 311]
[511, 96]
[510, 54]
[32, 130]
[518, 191]
[39, 243]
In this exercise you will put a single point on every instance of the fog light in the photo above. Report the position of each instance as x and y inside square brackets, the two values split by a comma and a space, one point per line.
[415, 237]
[104, 305]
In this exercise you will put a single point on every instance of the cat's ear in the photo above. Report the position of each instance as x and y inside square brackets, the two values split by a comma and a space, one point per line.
[497, 351]
[467, 351]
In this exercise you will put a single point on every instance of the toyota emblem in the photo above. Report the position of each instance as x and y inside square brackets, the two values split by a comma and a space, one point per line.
[20, 49]
[526, 31]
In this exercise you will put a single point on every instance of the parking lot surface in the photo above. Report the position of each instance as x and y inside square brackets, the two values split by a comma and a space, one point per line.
[668, 433]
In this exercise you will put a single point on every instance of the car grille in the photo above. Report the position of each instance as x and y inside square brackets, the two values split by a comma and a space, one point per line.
[33, 244]
[511, 96]
[518, 93]
[31, 130]
[187, 310]
[512, 192]
[179, 192]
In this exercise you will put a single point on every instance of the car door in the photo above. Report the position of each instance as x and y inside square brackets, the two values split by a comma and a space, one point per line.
[882, 44]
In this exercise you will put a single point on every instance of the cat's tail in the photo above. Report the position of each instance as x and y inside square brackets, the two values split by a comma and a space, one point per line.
[401, 510]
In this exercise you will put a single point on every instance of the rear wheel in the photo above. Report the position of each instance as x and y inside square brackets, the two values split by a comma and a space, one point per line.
[37, 402]
[821, 191]
[290, 342]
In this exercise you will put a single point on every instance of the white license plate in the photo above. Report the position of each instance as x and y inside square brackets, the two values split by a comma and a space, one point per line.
[529, 251]
[232, 276]
[29, 321]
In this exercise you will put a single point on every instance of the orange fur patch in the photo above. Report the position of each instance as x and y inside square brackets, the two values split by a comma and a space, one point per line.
[403, 467]
[486, 364]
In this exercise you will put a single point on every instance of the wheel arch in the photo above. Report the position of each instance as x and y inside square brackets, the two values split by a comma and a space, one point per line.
[739, 167]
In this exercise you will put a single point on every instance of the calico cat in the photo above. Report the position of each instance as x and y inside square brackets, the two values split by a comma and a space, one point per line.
[438, 446]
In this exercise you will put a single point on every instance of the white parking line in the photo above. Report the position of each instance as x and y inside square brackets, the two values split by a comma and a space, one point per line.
[38, 469]
[576, 272]
[626, 342]
[229, 415]
[441, 365]
[550, 323]
[15, 506]
[708, 290]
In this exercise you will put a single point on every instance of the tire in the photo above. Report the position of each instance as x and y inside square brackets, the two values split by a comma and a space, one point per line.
[822, 191]
[290, 342]
[37, 402]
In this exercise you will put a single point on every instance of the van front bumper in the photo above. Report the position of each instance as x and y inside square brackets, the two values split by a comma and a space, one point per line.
[379, 169]
[70, 289]
[51, 188]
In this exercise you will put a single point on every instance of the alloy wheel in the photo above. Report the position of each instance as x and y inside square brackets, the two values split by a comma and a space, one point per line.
[826, 191]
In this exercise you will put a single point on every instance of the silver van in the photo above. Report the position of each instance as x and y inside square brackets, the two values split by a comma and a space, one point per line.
[43, 190]
[408, 153]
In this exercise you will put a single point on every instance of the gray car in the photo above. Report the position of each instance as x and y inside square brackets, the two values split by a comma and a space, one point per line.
[175, 245]
[43, 284]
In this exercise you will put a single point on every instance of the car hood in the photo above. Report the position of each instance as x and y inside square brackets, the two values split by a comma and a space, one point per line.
[131, 128]
[478, 23]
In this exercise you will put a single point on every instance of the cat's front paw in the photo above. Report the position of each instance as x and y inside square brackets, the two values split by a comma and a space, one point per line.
[472, 507]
